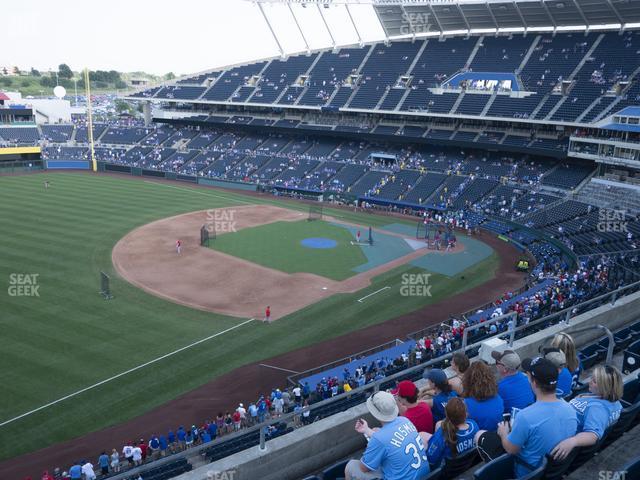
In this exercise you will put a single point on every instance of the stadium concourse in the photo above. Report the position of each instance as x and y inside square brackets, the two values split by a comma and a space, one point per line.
[528, 138]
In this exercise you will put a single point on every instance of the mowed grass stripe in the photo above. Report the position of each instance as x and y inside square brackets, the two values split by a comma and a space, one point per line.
[82, 217]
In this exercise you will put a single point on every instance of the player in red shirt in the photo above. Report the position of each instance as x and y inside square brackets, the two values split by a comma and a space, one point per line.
[267, 314]
[358, 236]
[178, 247]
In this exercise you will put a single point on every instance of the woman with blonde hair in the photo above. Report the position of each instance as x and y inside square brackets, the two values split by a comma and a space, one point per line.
[459, 364]
[565, 342]
[597, 410]
[454, 434]
[480, 389]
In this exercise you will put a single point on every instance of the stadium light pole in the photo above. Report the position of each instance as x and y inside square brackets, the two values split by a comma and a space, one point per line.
[94, 165]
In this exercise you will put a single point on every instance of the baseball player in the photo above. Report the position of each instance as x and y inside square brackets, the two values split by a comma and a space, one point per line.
[267, 314]
[178, 246]
[358, 236]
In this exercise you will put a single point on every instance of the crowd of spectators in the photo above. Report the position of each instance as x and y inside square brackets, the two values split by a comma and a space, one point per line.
[516, 407]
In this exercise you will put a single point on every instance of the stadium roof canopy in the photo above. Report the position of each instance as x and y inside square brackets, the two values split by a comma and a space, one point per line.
[402, 18]
[408, 18]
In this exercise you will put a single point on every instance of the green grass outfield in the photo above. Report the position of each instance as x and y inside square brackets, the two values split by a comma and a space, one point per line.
[69, 338]
[277, 245]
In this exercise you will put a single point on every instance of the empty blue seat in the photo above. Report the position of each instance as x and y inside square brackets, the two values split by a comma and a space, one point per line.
[503, 468]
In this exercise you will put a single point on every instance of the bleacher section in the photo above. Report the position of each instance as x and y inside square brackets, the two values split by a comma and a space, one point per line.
[540, 62]
[568, 175]
[277, 77]
[381, 71]
[230, 80]
[19, 135]
[328, 75]
[608, 65]
[57, 133]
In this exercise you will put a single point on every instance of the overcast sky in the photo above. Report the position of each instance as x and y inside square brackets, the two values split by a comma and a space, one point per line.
[160, 36]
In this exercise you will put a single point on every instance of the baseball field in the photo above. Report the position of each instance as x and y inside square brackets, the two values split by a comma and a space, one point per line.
[75, 363]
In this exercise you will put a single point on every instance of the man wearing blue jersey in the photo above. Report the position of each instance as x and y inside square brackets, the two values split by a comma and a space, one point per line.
[395, 451]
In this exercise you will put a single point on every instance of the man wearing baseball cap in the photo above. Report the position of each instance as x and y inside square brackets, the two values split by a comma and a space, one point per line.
[536, 429]
[513, 386]
[409, 407]
[395, 451]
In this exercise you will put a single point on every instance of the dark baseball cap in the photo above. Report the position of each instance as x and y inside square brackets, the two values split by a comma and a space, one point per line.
[543, 370]
[436, 375]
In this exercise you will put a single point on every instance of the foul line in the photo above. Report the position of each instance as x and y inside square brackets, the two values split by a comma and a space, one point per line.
[278, 368]
[124, 373]
[361, 299]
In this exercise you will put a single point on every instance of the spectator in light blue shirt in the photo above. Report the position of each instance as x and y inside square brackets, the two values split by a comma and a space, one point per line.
[480, 388]
[537, 429]
[395, 451]
[597, 410]
[513, 387]
[75, 472]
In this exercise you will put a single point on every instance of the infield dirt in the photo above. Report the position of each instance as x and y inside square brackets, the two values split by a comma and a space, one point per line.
[210, 280]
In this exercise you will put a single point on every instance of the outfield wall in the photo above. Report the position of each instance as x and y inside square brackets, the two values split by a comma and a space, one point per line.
[314, 447]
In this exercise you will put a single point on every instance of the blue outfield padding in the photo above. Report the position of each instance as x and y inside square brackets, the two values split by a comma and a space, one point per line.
[390, 354]
[319, 242]
[68, 164]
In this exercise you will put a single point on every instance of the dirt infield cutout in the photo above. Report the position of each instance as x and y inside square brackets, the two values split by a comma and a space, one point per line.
[210, 280]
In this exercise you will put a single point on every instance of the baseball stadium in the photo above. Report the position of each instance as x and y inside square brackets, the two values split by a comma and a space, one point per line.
[414, 257]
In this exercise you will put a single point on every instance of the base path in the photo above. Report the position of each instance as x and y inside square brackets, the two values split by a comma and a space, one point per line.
[210, 280]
